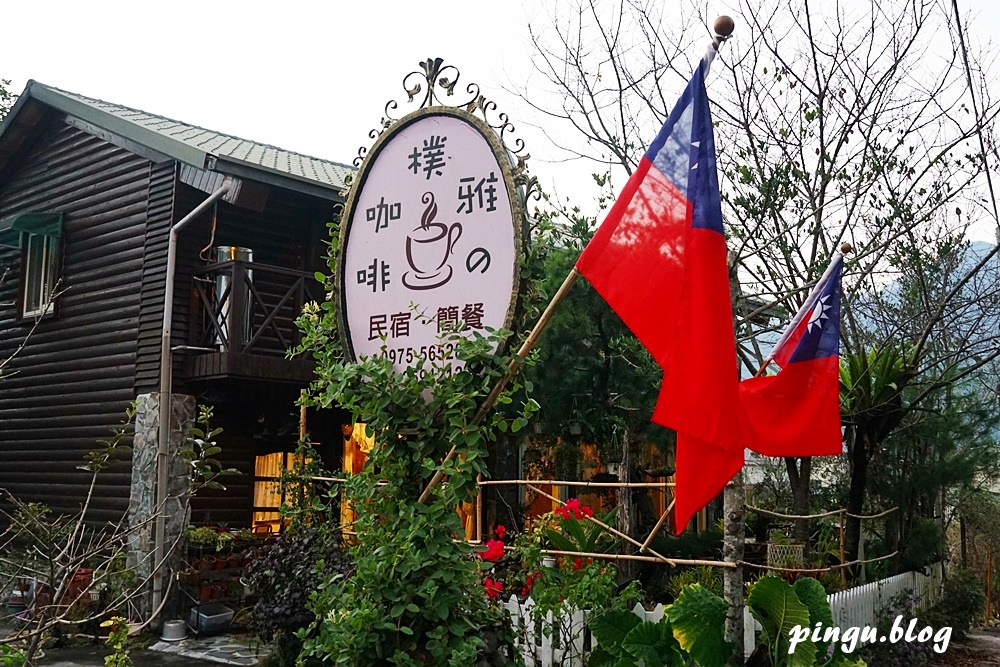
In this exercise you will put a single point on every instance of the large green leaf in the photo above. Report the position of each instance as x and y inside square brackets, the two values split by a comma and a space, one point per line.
[611, 627]
[776, 607]
[698, 618]
[871, 380]
[573, 528]
[812, 594]
[560, 541]
[655, 645]
[601, 657]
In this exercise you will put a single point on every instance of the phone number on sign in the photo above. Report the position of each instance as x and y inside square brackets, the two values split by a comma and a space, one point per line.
[407, 355]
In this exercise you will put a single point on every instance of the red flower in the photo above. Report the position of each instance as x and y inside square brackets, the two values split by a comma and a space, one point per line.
[501, 530]
[529, 582]
[492, 587]
[494, 550]
[577, 563]
[573, 510]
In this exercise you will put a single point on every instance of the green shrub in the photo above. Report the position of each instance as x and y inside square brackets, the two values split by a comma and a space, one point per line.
[655, 579]
[911, 654]
[709, 578]
[415, 595]
[118, 641]
[962, 603]
[10, 657]
[286, 571]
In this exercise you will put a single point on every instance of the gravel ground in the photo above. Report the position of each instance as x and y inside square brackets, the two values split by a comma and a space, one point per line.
[980, 649]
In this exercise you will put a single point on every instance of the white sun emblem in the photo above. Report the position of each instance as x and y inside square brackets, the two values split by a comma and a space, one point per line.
[818, 313]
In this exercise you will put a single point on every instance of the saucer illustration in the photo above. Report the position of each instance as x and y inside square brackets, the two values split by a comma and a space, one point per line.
[416, 281]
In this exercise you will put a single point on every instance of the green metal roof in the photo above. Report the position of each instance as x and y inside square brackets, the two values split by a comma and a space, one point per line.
[202, 148]
[11, 227]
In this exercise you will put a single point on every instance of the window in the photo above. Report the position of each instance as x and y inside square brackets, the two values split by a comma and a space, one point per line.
[268, 491]
[41, 272]
[38, 236]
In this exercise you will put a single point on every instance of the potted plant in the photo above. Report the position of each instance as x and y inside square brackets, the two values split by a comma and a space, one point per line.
[206, 537]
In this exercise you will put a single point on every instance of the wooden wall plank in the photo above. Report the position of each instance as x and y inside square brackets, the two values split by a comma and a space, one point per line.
[74, 379]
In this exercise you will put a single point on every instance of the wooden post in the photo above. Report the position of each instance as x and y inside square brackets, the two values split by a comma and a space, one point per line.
[733, 512]
[843, 571]
[732, 552]
[625, 516]
[989, 585]
[303, 425]
[479, 509]
[300, 457]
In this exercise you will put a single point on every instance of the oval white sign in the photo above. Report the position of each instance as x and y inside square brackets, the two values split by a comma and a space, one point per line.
[431, 240]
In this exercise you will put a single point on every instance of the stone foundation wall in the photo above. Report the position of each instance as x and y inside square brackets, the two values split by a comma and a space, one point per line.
[142, 501]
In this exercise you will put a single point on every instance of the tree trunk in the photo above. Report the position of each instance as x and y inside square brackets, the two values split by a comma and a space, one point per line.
[799, 475]
[625, 516]
[732, 551]
[963, 542]
[856, 498]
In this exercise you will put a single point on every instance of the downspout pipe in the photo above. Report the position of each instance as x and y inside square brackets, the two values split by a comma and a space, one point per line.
[166, 387]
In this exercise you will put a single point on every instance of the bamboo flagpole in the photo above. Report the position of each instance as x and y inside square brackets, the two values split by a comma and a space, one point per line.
[806, 308]
[512, 368]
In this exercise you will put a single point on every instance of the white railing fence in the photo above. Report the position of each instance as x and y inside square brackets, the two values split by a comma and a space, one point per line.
[568, 640]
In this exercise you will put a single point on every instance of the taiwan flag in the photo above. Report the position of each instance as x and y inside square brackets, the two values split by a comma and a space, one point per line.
[659, 260]
[797, 411]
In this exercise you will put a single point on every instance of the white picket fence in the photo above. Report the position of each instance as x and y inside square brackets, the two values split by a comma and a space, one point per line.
[859, 606]
[569, 641]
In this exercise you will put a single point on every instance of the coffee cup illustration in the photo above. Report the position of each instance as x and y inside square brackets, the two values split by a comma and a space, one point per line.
[428, 249]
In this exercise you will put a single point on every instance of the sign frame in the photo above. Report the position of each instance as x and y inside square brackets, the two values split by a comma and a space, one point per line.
[516, 185]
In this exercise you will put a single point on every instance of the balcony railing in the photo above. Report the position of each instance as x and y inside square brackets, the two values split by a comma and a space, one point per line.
[244, 321]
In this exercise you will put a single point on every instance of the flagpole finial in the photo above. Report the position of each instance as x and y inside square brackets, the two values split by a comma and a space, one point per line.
[846, 248]
[724, 26]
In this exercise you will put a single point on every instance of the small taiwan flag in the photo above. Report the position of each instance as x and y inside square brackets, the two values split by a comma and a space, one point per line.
[797, 411]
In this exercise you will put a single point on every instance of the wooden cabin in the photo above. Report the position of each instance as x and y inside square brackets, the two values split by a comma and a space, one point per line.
[88, 193]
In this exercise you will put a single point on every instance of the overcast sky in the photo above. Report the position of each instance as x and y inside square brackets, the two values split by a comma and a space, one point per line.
[308, 76]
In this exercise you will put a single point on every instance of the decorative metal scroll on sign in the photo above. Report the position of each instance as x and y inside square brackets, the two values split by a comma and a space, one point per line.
[434, 84]
[434, 224]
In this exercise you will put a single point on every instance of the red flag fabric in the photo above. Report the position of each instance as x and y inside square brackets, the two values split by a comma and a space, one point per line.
[659, 260]
[702, 471]
[797, 411]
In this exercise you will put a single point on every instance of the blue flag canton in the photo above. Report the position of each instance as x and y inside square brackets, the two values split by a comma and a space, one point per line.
[684, 152]
[821, 337]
